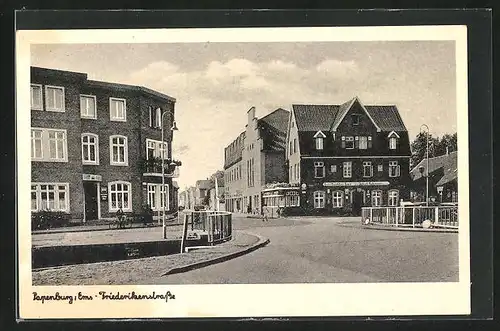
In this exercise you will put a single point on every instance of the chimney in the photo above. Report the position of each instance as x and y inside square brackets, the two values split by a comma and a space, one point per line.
[251, 116]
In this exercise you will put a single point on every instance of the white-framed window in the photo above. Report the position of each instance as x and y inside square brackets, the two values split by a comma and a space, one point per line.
[152, 196]
[295, 171]
[369, 141]
[158, 117]
[376, 198]
[118, 150]
[36, 144]
[157, 194]
[319, 143]
[348, 142]
[380, 167]
[393, 197]
[88, 108]
[319, 199]
[319, 169]
[151, 116]
[36, 97]
[49, 145]
[292, 199]
[57, 145]
[120, 196]
[367, 169]
[117, 109]
[290, 148]
[155, 149]
[50, 196]
[394, 169]
[333, 168]
[54, 98]
[90, 148]
[393, 142]
[347, 169]
[363, 142]
[294, 145]
[337, 199]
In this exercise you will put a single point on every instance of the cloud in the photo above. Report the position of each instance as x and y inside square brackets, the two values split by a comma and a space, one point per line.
[212, 101]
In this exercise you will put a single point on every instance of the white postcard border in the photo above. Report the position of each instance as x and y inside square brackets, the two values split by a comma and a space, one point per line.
[245, 300]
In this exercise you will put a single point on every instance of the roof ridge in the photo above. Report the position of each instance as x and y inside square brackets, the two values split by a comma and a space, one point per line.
[274, 111]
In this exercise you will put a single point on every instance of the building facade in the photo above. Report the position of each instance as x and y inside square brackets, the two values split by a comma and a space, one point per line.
[96, 146]
[254, 159]
[343, 157]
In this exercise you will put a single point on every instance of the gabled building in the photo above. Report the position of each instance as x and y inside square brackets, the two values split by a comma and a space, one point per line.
[255, 158]
[343, 157]
[442, 178]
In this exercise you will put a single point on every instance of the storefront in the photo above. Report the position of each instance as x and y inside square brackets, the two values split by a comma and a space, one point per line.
[347, 198]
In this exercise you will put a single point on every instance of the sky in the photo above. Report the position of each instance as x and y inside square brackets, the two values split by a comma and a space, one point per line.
[216, 83]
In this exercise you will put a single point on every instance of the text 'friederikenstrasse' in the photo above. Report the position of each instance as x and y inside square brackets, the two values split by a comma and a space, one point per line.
[103, 295]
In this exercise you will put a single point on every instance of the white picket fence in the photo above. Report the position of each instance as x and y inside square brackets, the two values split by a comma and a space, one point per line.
[412, 216]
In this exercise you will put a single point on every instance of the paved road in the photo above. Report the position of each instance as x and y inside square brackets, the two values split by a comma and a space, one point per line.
[323, 250]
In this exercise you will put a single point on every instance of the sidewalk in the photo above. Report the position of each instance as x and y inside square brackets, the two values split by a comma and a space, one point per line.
[141, 270]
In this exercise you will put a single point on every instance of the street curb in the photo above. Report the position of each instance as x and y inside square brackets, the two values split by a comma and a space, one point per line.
[400, 229]
[261, 243]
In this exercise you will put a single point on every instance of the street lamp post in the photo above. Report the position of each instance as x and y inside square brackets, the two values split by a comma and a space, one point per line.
[427, 167]
[173, 128]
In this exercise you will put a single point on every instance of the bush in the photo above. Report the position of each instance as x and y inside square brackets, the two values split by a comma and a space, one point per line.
[46, 219]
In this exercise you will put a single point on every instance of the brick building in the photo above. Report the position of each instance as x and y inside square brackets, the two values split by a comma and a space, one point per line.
[255, 158]
[443, 179]
[343, 157]
[96, 146]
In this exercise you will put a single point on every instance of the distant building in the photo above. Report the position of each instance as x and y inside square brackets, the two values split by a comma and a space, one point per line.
[442, 179]
[343, 157]
[213, 200]
[96, 146]
[201, 193]
[255, 158]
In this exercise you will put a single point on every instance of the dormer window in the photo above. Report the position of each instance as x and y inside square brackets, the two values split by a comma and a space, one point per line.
[319, 137]
[393, 140]
[319, 143]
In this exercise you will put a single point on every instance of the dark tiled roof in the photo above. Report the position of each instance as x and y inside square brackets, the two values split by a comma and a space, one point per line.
[315, 117]
[325, 117]
[273, 129]
[278, 119]
[386, 117]
[447, 162]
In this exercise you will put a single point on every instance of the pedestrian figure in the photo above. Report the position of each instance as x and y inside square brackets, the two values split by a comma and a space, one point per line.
[264, 214]
[120, 215]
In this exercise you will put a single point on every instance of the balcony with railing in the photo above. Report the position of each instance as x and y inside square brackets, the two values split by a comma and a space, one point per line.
[153, 166]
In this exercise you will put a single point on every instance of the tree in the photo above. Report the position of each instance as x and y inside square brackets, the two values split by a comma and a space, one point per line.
[219, 174]
[437, 146]
[447, 140]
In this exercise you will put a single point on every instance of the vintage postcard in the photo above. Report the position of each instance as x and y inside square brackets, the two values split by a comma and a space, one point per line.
[244, 172]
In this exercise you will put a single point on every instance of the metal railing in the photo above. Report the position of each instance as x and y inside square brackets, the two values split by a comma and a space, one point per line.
[216, 225]
[412, 216]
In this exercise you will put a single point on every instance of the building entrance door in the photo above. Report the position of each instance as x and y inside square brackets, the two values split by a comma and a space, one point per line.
[91, 201]
[357, 202]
